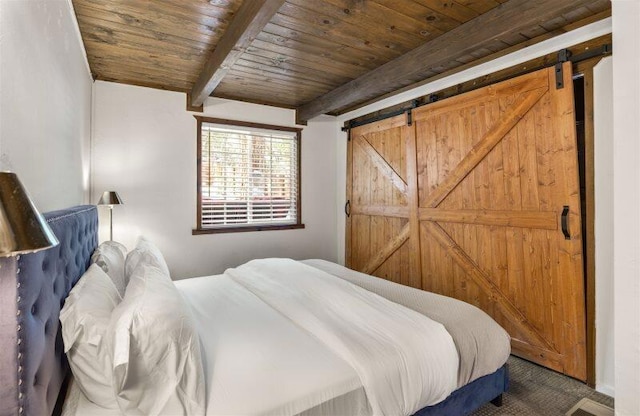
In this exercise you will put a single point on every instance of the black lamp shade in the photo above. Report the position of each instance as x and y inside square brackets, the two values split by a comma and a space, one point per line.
[22, 228]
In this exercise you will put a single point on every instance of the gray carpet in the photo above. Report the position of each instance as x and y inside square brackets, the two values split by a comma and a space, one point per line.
[535, 391]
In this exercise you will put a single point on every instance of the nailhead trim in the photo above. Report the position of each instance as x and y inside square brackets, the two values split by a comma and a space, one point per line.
[18, 330]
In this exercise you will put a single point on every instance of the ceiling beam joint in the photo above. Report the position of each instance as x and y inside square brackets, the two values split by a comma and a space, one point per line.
[248, 22]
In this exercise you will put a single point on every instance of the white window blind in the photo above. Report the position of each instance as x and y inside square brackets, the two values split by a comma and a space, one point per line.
[249, 177]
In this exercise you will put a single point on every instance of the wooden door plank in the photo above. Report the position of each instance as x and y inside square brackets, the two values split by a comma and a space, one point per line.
[349, 200]
[382, 211]
[528, 161]
[360, 224]
[455, 132]
[443, 148]
[383, 227]
[472, 99]
[361, 181]
[549, 276]
[428, 272]
[428, 159]
[548, 358]
[363, 145]
[529, 288]
[484, 282]
[409, 133]
[360, 241]
[387, 250]
[480, 151]
[533, 282]
[470, 232]
[482, 200]
[558, 197]
[547, 154]
[378, 240]
[570, 253]
[513, 200]
[377, 183]
[442, 263]
[546, 220]
[498, 201]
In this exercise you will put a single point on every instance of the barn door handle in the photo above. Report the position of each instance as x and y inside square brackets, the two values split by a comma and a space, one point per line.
[564, 222]
[347, 209]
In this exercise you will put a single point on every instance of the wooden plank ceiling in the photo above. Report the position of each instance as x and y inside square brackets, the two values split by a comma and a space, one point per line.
[320, 56]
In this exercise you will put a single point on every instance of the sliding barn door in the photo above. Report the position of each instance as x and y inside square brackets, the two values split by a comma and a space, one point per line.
[382, 192]
[499, 209]
[479, 200]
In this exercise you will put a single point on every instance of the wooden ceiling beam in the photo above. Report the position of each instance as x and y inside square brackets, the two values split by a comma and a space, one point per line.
[511, 17]
[248, 22]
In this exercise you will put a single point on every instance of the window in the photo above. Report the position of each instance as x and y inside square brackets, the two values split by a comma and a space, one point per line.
[248, 177]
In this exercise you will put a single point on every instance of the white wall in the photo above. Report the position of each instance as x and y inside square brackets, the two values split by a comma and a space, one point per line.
[45, 101]
[144, 147]
[626, 204]
[602, 81]
[603, 167]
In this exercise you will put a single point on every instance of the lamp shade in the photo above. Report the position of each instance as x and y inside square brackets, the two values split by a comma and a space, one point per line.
[22, 228]
[110, 198]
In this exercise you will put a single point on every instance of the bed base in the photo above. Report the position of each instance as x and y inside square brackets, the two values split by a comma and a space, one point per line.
[472, 396]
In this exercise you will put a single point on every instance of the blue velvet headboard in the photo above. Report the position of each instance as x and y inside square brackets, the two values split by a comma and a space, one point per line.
[33, 288]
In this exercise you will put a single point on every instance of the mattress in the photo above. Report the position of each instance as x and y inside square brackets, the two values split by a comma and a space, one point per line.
[313, 382]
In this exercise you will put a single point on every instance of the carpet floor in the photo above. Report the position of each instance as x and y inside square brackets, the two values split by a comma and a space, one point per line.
[536, 391]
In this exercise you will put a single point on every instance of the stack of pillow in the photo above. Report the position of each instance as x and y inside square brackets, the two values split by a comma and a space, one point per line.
[129, 337]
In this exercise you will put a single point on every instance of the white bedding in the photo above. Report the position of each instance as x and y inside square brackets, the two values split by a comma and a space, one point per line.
[405, 360]
[247, 346]
[256, 360]
[262, 357]
[77, 404]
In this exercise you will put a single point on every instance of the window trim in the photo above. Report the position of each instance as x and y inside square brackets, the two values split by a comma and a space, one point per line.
[199, 230]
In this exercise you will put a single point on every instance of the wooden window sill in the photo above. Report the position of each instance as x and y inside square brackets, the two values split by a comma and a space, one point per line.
[199, 231]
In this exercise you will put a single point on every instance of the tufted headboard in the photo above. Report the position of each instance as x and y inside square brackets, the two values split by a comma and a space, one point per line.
[33, 288]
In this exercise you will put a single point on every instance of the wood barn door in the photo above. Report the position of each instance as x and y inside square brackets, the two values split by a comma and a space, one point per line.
[497, 211]
[382, 191]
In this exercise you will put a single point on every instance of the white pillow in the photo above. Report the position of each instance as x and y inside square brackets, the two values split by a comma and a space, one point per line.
[145, 253]
[110, 257]
[157, 366]
[85, 320]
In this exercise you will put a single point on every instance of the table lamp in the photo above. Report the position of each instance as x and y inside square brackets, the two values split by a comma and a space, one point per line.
[110, 198]
[22, 228]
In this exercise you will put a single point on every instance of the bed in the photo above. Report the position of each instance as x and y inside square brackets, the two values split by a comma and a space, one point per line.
[34, 369]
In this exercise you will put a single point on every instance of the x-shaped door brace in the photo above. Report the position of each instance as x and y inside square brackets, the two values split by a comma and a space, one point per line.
[429, 216]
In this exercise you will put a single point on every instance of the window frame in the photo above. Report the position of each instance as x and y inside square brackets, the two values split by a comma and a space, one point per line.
[244, 228]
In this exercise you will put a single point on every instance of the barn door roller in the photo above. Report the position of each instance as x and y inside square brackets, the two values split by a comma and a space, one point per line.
[563, 56]
[409, 111]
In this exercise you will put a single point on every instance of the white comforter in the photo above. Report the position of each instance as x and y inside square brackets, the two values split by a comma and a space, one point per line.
[404, 360]
[278, 339]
